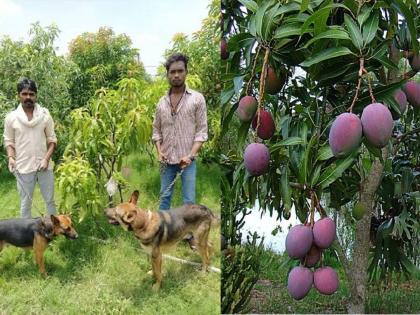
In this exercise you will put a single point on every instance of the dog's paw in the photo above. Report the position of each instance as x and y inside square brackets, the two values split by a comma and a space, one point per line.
[156, 287]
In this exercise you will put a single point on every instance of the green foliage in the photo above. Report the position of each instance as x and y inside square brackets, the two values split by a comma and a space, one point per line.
[322, 45]
[103, 58]
[237, 286]
[37, 60]
[77, 181]
[114, 124]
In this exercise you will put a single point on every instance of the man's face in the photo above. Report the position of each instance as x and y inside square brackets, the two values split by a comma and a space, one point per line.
[177, 74]
[27, 98]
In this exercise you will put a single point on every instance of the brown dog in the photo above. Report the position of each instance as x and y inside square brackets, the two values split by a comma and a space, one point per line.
[161, 230]
[35, 234]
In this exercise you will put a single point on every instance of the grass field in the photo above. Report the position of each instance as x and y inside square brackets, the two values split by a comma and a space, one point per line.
[270, 293]
[104, 270]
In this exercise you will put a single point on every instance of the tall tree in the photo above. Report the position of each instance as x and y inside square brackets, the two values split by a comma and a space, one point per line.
[103, 59]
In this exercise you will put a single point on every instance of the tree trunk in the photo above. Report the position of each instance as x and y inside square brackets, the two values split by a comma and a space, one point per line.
[356, 271]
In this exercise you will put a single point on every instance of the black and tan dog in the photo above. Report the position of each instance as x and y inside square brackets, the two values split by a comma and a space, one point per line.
[159, 231]
[35, 234]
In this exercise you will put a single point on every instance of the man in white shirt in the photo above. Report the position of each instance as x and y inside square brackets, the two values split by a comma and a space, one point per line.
[30, 141]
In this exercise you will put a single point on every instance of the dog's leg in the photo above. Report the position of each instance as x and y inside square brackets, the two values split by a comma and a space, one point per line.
[1, 245]
[203, 244]
[40, 244]
[157, 268]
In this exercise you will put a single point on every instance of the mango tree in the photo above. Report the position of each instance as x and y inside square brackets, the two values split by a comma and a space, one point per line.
[328, 128]
[113, 124]
[103, 59]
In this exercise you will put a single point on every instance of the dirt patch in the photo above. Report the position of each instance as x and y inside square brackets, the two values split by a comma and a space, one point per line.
[258, 297]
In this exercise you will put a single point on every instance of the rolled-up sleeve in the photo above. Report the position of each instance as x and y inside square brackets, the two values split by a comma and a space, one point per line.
[49, 130]
[201, 132]
[157, 130]
[9, 132]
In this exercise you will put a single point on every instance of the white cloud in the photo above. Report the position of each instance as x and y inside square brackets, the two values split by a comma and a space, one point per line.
[10, 8]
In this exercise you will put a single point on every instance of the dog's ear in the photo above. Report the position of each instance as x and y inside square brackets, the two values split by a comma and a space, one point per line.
[134, 197]
[54, 220]
[128, 217]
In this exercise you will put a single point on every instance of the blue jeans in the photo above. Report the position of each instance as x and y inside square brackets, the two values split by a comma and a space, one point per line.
[168, 174]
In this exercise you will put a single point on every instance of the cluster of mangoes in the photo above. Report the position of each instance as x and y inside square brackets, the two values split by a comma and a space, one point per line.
[306, 243]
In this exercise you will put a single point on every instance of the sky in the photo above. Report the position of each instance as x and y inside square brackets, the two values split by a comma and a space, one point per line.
[265, 224]
[150, 24]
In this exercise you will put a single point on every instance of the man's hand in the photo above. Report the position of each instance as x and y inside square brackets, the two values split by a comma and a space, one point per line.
[185, 161]
[162, 158]
[12, 164]
[43, 165]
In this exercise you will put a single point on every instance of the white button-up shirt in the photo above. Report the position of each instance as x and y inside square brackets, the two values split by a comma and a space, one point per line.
[29, 138]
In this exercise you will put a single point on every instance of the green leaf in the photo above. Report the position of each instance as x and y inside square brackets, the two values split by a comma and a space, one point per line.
[286, 142]
[362, 17]
[268, 22]
[324, 153]
[354, 31]
[287, 30]
[380, 51]
[260, 17]
[290, 7]
[240, 41]
[336, 33]
[400, 6]
[319, 15]
[390, 100]
[326, 54]
[334, 171]
[369, 30]
[226, 95]
[386, 62]
[252, 25]
[304, 5]
[238, 83]
[243, 133]
[333, 71]
[250, 5]
[291, 141]
[315, 175]
[304, 165]
[282, 42]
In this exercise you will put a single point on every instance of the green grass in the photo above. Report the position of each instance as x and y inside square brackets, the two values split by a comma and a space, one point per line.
[270, 293]
[104, 271]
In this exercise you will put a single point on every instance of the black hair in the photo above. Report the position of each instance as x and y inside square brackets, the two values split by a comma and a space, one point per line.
[176, 57]
[27, 84]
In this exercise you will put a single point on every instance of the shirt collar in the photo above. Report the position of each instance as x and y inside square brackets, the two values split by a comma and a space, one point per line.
[187, 91]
